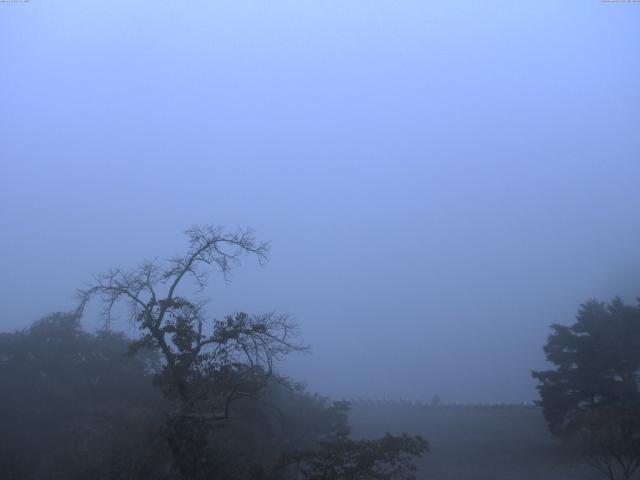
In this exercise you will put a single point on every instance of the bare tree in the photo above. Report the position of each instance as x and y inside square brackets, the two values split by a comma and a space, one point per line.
[207, 364]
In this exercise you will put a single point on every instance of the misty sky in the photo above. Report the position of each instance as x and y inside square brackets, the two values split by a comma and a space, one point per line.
[440, 181]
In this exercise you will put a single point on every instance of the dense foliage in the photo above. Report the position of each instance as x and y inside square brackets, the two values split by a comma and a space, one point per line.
[79, 405]
[343, 458]
[73, 404]
[592, 395]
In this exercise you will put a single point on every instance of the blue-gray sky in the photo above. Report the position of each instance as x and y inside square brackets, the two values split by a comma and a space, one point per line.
[440, 181]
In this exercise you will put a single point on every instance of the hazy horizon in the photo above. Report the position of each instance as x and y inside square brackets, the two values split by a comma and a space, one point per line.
[439, 181]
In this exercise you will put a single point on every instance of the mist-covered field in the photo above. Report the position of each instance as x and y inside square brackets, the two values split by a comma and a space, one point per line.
[475, 442]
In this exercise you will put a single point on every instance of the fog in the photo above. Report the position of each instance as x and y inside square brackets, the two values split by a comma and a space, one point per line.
[439, 181]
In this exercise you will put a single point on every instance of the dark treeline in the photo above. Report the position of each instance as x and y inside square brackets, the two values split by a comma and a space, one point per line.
[78, 405]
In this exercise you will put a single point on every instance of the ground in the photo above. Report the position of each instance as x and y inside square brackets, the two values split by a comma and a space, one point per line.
[475, 442]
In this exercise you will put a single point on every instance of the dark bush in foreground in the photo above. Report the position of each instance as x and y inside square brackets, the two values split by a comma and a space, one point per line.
[78, 405]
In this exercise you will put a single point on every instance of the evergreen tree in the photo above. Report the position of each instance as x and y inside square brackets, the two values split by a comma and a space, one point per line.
[592, 396]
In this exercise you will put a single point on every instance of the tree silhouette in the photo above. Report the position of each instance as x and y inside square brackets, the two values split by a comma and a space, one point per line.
[591, 396]
[210, 365]
[207, 365]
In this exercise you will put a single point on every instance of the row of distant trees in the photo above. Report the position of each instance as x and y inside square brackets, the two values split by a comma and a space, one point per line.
[417, 404]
